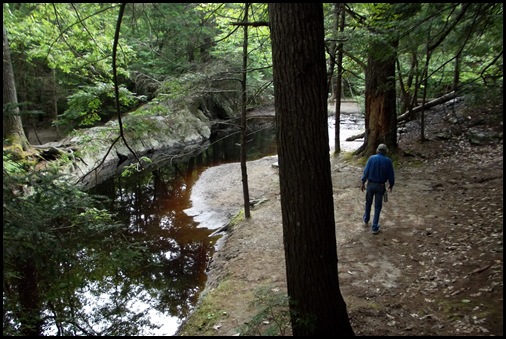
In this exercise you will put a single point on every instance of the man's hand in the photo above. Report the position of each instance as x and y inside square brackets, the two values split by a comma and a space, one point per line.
[362, 188]
[389, 188]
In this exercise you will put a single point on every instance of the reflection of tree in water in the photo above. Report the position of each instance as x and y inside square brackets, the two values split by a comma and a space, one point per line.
[152, 205]
[225, 148]
[65, 264]
[178, 276]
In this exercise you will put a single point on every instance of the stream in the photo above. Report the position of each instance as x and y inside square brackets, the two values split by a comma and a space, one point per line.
[156, 205]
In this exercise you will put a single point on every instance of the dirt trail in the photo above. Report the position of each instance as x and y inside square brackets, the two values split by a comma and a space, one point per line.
[435, 269]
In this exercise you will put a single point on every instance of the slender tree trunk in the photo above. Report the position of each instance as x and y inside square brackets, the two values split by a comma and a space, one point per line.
[13, 127]
[456, 73]
[55, 103]
[307, 206]
[339, 20]
[425, 83]
[408, 87]
[244, 170]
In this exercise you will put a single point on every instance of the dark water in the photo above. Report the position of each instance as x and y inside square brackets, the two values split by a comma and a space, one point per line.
[151, 204]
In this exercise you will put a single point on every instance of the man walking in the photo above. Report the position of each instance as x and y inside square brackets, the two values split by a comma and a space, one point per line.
[377, 171]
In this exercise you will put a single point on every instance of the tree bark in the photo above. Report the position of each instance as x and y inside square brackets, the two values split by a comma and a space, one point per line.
[244, 169]
[339, 22]
[380, 106]
[316, 304]
[13, 127]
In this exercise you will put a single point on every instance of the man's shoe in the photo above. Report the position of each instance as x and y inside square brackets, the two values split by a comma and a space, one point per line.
[375, 231]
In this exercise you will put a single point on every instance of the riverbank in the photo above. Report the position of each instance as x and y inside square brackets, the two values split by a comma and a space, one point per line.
[435, 269]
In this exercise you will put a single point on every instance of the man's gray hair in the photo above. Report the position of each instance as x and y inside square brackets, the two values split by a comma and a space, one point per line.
[382, 148]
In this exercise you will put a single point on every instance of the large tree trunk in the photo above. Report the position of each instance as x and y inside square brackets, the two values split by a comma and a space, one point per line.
[13, 131]
[380, 106]
[307, 206]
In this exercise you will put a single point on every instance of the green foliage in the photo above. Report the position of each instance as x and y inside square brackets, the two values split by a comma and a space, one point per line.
[477, 38]
[155, 107]
[74, 38]
[169, 37]
[230, 47]
[60, 240]
[181, 91]
[60, 49]
[210, 58]
[135, 167]
[178, 88]
[11, 166]
[479, 97]
[92, 104]
[220, 79]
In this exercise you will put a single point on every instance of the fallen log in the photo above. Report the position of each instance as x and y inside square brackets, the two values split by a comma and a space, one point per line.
[435, 102]
[355, 137]
[406, 115]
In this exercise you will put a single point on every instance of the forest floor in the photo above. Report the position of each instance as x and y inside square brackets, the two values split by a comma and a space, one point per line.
[436, 267]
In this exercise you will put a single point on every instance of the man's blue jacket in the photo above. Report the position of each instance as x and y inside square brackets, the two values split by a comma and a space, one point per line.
[379, 169]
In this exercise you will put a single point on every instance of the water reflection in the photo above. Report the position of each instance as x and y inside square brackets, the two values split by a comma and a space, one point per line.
[151, 204]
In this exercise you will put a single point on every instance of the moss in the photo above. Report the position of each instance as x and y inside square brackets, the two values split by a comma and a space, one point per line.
[153, 109]
[24, 159]
[351, 158]
[455, 309]
[237, 218]
[137, 128]
[15, 151]
[347, 156]
[88, 136]
[208, 312]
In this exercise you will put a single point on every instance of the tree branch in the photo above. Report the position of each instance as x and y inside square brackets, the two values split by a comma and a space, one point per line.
[252, 24]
